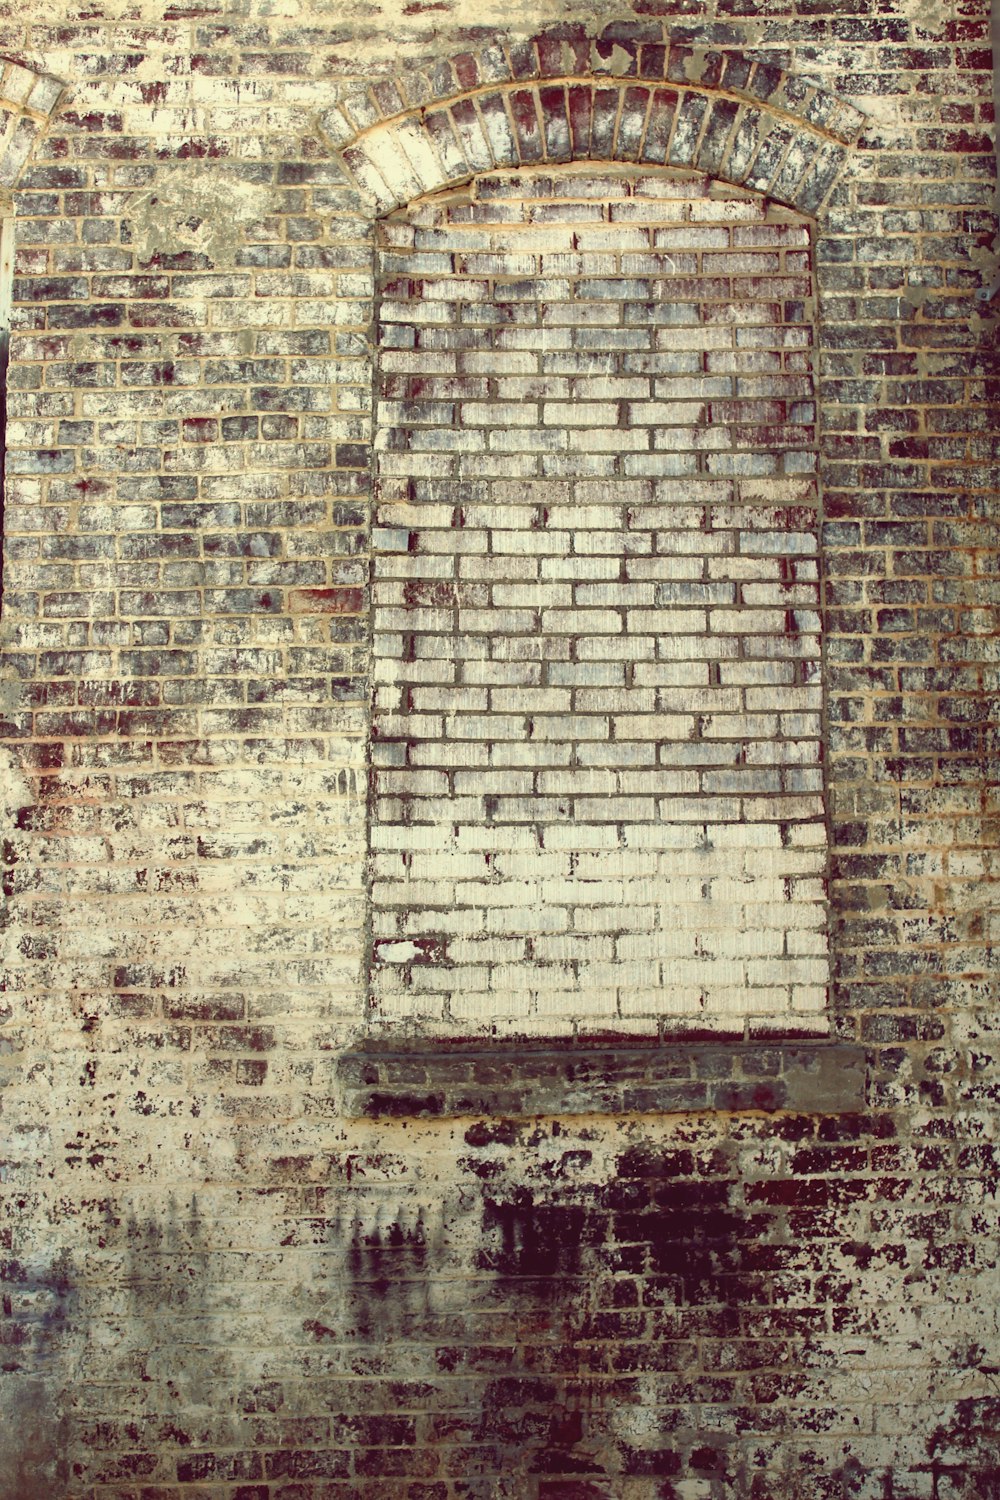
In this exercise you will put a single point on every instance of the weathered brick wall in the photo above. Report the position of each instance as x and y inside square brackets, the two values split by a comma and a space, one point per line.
[250, 1249]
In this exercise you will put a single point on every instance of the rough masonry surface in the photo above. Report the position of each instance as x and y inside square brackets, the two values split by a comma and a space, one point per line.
[497, 751]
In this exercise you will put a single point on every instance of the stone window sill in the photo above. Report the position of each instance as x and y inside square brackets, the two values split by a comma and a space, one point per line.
[435, 1079]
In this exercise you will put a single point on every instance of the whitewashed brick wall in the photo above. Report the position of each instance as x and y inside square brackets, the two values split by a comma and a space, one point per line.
[598, 791]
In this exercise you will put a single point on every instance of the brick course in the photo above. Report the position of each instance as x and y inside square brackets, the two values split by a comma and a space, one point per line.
[248, 1250]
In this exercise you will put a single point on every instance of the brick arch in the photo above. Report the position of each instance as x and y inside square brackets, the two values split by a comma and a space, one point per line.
[27, 101]
[564, 97]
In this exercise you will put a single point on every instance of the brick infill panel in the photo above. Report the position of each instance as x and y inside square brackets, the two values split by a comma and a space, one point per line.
[442, 1079]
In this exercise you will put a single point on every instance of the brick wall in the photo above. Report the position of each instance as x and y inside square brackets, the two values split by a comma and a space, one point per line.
[266, 1233]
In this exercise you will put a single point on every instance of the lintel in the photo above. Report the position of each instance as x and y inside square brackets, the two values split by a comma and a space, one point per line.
[437, 1078]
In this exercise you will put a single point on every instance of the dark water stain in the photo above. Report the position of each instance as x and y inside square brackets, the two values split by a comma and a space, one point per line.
[387, 1294]
[42, 1313]
[525, 1238]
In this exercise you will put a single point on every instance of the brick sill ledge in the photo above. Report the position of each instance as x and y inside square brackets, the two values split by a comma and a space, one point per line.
[435, 1079]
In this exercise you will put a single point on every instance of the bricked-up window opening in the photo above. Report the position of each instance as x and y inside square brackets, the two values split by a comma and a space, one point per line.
[6, 290]
[597, 800]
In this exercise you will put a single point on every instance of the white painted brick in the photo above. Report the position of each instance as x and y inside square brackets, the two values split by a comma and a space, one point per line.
[616, 754]
[608, 648]
[534, 595]
[535, 917]
[653, 726]
[495, 567]
[671, 674]
[609, 440]
[529, 700]
[661, 463]
[624, 595]
[554, 543]
[577, 621]
[500, 673]
[496, 621]
[808, 998]
[615, 700]
[580, 836]
[579, 568]
[587, 674]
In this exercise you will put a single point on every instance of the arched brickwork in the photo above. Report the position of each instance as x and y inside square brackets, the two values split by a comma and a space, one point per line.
[561, 97]
[27, 102]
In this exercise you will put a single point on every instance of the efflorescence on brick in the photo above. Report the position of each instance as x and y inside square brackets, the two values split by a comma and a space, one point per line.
[468, 473]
